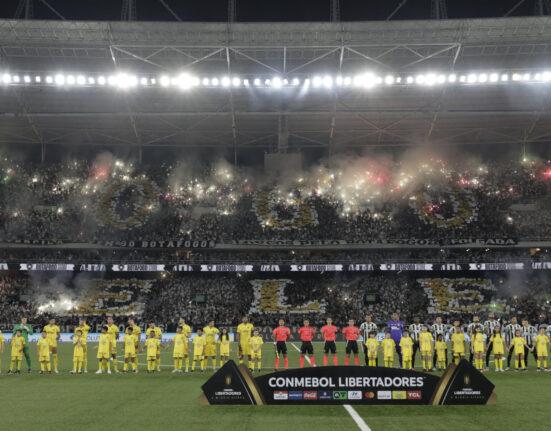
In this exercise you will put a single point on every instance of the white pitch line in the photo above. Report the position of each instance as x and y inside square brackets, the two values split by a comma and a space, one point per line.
[351, 411]
[356, 418]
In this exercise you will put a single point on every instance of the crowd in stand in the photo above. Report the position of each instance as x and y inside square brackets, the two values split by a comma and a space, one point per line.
[223, 298]
[111, 200]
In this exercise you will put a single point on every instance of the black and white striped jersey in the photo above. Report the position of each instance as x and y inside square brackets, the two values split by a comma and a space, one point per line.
[415, 330]
[529, 333]
[438, 329]
[510, 330]
[490, 325]
[472, 327]
[451, 331]
[366, 328]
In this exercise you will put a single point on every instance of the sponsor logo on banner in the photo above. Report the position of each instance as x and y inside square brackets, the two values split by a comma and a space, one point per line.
[369, 395]
[399, 395]
[316, 268]
[226, 268]
[354, 395]
[46, 267]
[413, 395]
[384, 395]
[92, 267]
[406, 267]
[295, 395]
[281, 395]
[325, 395]
[541, 265]
[310, 395]
[504, 266]
[340, 395]
[139, 267]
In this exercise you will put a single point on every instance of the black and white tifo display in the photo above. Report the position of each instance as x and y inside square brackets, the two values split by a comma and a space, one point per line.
[460, 384]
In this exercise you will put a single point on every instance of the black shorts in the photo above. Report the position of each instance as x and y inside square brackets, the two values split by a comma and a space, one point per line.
[351, 347]
[281, 347]
[307, 347]
[330, 346]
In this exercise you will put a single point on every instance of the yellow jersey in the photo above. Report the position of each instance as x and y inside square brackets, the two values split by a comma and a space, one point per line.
[478, 342]
[17, 344]
[245, 331]
[458, 343]
[388, 346]
[210, 334]
[43, 347]
[255, 344]
[180, 345]
[425, 341]
[441, 348]
[518, 344]
[137, 332]
[156, 331]
[52, 333]
[372, 346]
[113, 332]
[198, 345]
[152, 345]
[1, 341]
[129, 345]
[78, 347]
[497, 344]
[85, 329]
[406, 344]
[224, 341]
[186, 330]
[104, 346]
[542, 343]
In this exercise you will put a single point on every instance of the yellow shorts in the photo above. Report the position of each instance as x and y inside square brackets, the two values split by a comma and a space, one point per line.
[210, 349]
[256, 355]
[498, 351]
[459, 352]
[78, 358]
[197, 357]
[129, 355]
[103, 355]
[17, 357]
[53, 345]
[519, 352]
[389, 358]
[152, 358]
[44, 359]
[244, 349]
[426, 352]
[541, 352]
[224, 350]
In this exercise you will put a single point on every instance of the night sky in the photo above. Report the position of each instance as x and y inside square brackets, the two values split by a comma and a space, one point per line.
[269, 10]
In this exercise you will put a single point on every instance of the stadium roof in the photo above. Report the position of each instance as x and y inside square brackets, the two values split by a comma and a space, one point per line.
[261, 118]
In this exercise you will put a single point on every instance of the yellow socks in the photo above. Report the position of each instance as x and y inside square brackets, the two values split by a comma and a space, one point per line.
[54, 360]
[187, 363]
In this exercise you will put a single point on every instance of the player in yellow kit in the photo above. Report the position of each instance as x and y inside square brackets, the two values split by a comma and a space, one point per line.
[104, 351]
[244, 332]
[136, 331]
[372, 345]
[518, 343]
[43, 347]
[498, 348]
[113, 331]
[389, 346]
[406, 346]
[478, 346]
[158, 334]
[17, 345]
[426, 342]
[1, 349]
[441, 348]
[84, 328]
[224, 341]
[151, 350]
[459, 345]
[542, 349]
[180, 350]
[78, 353]
[130, 352]
[198, 350]
[255, 349]
[211, 334]
[53, 331]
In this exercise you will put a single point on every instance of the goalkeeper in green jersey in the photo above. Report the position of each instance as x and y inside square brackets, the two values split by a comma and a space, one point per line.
[26, 330]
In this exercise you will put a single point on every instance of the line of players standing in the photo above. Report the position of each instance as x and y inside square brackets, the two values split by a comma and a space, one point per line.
[514, 338]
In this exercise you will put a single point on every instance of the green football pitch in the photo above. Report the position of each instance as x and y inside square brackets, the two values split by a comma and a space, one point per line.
[167, 401]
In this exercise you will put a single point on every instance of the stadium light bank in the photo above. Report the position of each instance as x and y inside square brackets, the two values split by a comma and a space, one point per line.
[184, 81]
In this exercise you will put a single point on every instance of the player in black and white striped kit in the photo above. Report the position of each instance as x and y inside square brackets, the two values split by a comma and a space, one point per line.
[509, 332]
[529, 333]
[489, 326]
[471, 330]
[438, 328]
[366, 328]
[414, 331]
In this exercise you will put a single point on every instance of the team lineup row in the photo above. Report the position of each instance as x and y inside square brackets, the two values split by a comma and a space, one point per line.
[432, 343]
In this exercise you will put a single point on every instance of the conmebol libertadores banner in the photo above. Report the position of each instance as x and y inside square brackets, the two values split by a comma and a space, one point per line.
[461, 384]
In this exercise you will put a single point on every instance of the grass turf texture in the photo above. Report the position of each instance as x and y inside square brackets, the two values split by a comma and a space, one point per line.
[167, 401]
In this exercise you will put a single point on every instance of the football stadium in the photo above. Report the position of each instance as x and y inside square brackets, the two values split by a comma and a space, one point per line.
[328, 214]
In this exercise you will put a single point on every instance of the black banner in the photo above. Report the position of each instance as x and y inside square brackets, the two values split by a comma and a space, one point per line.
[461, 384]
